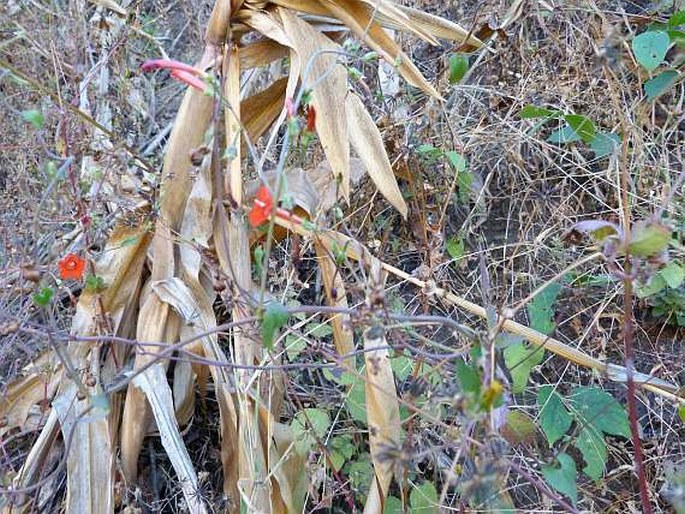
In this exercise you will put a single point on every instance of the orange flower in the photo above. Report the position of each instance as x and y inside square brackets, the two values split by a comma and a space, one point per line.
[262, 207]
[71, 267]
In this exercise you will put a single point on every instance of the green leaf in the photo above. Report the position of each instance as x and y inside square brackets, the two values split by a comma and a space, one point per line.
[533, 111]
[34, 117]
[457, 160]
[294, 346]
[42, 298]
[469, 378]
[464, 182]
[393, 506]
[519, 428]
[677, 19]
[562, 478]
[591, 444]
[520, 359]
[459, 65]
[655, 284]
[650, 48]
[554, 418]
[681, 413]
[342, 449]
[360, 474]
[673, 274]
[95, 284]
[582, 126]
[605, 144]
[541, 309]
[258, 260]
[429, 152]
[308, 425]
[356, 400]
[275, 316]
[649, 239]
[424, 499]
[456, 248]
[597, 408]
[564, 135]
[658, 85]
[401, 365]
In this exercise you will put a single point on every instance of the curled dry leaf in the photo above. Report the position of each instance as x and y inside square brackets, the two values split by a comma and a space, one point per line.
[383, 414]
[367, 142]
[320, 70]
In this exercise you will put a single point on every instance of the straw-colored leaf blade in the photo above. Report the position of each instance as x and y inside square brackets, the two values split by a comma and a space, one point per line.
[316, 7]
[156, 324]
[154, 385]
[383, 414]
[261, 52]
[355, 15]
[234, 179]
[320, 71]
[286, 465]
[367, 142]
[265, 24]
[90, 458]
[334, 286]
[24, 394]
[259, 111]
[386, 12]
[217, 26]
[438, 27]
[188, 133]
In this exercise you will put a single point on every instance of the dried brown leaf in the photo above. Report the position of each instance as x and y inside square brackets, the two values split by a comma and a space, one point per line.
[261, 52]
[367, 142]
[259, 111]
[320, 71]
[154, 384]
[336, 296]
[356, 16]
[383, 414]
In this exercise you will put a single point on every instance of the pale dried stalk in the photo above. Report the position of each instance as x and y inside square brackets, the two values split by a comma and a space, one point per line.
[354, 250]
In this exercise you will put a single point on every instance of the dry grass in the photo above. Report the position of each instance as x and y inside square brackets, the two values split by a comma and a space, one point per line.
[526, 194]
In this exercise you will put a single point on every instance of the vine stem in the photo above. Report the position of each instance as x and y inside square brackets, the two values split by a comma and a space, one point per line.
[628, 322]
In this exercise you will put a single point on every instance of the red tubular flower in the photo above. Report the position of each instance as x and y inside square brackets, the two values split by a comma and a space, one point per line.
[262, 207]
[311, 118]
[179, 70]
[71, 267]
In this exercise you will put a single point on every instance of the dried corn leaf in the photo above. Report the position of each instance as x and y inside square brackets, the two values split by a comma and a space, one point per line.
[217, 26]
[24, 395]
[435, 25]
[266, 25]
[156, 324]
[261, 52]
[285, 464]
[232, 243]
[382, 405]
[388, 13]
[154, 384]
[355, 15]
[334, 285]
[320, 71]
[259, 111]
[367, 142]
[90, 462]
